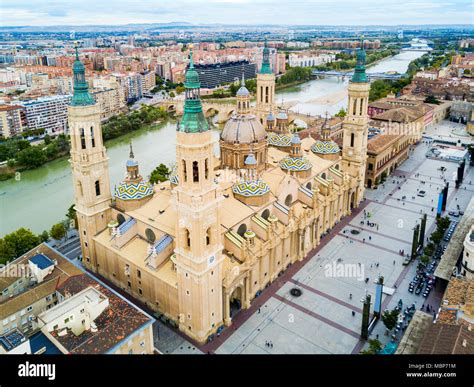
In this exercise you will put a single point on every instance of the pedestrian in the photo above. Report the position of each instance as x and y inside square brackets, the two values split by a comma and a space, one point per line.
[353, 313]
[259, 310]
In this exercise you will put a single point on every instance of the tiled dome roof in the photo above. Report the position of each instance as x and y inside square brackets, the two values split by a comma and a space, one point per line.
[133, 191]
[325, 147]
[295, 164]
[276, 139]
[249, 188]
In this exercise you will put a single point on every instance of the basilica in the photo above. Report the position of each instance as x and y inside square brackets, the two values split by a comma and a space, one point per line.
[204, 244]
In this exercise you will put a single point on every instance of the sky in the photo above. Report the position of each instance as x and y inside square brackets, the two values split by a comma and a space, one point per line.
[289, 12]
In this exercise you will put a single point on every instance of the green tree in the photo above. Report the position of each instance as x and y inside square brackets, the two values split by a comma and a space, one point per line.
[47, 139]
[44, 236]
[432, 99]
[31, 157]
[58, 231]
[389, 318]
[159, 174]
[17, 243]
[374, 347]
[71, 215]
[341, 113]
[180, 89]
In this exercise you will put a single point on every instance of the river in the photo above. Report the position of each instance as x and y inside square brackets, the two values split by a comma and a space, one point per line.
[42, 196]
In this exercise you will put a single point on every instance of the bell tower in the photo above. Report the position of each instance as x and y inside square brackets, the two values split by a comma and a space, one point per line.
[198, 235]
[356, 127]
[265, 87]
[89, 163]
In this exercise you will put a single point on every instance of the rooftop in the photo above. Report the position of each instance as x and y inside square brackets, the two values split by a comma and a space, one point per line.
[115, 324]
[447, 339]
[62, 271]
[455, 246]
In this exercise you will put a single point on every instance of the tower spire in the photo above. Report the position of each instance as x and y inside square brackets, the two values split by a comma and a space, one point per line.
[359, 74]
[265, 69]
[193, 120]
[81, 96]
[132, 156]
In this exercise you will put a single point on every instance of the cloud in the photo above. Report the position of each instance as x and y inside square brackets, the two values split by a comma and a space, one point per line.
[312, 12]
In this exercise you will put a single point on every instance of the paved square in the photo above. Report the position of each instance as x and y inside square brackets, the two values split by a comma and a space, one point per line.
[321, 320]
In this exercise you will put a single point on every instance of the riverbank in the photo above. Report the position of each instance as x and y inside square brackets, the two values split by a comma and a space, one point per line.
[29, 157]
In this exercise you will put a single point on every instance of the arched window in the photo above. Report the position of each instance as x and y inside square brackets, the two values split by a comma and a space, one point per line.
[352, 139]
[83, 139]
[288, 200]
[242, 229]
[92, 137]
[361, 105]
[266, 214]
[337, 167]
[206, 168]
[97, 187]
[208, 236]
[323, 175]
[120, 219]
[187, 237]
[184, 171]
[354, 107]
[195, 172]
[150, 235]
[266, 94]
[309, 185]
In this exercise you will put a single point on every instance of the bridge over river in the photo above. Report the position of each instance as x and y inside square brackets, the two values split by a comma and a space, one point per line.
[344, 75]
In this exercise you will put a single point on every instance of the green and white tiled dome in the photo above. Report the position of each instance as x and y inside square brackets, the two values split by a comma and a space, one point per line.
[279, 140]
[133, 191]
[174, 178]
[249, 188]
[295, 164]
[325, 147]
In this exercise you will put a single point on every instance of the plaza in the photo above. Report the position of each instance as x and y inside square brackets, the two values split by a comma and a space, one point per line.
[321, 321]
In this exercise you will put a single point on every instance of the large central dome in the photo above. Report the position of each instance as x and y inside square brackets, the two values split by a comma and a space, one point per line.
[243, 129]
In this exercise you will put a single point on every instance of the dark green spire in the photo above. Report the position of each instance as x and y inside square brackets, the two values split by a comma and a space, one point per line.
[81, 95]
[359, 74]
[193, 120]
[266, 69]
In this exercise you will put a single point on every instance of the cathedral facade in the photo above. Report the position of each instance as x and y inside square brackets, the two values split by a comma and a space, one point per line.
[201, 246]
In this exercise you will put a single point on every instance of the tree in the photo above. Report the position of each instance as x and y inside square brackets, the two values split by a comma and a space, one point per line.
[58, 231]
[17, 243]
[180, 89]
[31, 157]
[375, 346]
[390, 318]
[432, 99]
[44, 236]
[341, 113]
[71, 215]
[159, 174]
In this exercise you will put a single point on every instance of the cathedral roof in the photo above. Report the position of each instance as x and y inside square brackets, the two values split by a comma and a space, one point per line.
[243, 129]
[249, 188]
[276, 139]
[295, 164]
[133, 191]
[325, 147]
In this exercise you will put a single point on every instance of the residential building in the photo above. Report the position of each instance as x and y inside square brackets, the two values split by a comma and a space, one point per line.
[48, 113]
[10, 120]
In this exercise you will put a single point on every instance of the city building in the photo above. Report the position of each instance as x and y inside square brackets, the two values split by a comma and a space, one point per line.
[385, 152]
[310, 58]
[48, 113]
[28, 287]
[214, 75]
[10, 120]
[204, 244]
[467, 265]
[92, 319]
